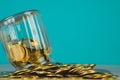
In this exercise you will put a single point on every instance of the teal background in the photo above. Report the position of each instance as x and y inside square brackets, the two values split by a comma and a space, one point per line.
[80, 31]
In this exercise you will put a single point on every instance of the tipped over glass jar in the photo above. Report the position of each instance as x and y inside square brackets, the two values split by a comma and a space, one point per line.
[25, 39]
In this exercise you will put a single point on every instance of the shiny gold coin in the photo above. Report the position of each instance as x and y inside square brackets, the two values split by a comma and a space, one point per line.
[17, 52]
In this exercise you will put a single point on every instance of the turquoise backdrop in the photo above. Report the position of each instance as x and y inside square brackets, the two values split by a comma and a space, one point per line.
[80, 31]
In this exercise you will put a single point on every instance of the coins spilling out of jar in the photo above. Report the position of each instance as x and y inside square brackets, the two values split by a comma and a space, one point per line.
[34, 62]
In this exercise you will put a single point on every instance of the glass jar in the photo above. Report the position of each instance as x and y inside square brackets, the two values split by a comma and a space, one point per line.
[25, 40]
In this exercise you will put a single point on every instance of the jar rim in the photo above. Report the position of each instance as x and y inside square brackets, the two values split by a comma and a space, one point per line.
[20, 14]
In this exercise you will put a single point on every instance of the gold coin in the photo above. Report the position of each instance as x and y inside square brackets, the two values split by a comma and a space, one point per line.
[27, 55]
[17, 52]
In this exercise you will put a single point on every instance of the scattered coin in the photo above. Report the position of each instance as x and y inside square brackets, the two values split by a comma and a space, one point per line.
[61, 71]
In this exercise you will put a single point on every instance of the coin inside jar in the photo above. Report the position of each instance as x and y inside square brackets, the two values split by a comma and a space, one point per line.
[27, 51]
[18, 52]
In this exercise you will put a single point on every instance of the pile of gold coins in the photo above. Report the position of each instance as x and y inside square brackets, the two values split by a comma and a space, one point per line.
[80, 71]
